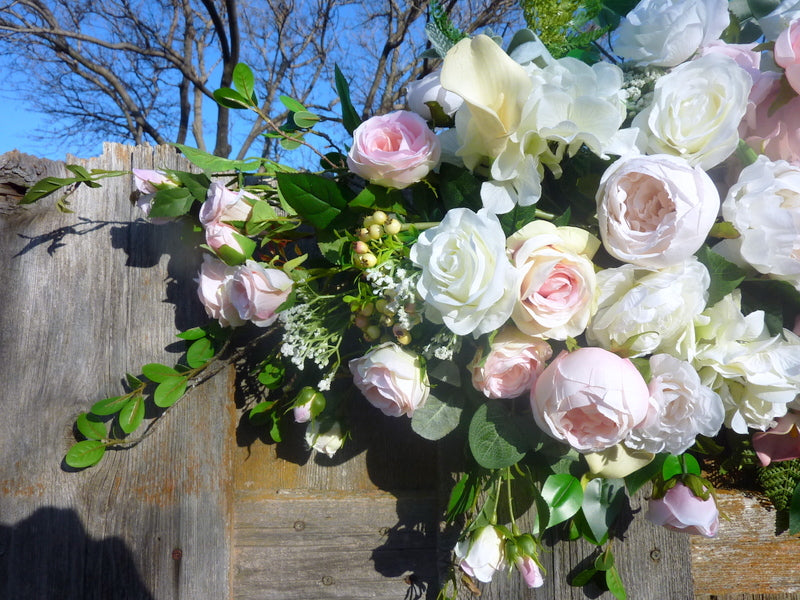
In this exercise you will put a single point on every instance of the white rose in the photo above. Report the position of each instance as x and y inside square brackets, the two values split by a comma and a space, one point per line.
[655, 211]
[481, 554]
[682, 408]
[326, 438]
[391, 379]
[556, 292]
[764, 207]
[665, 33]
[646, 309]
[467, 281]
[756, 375]
[429, 89]
[696, 110]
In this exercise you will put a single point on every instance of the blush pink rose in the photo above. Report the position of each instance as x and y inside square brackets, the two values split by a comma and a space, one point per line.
[590, 398]
[394, 150]
[512, 365]
[557, 285]
[213, 289]
[257, 292]
[223, 205]
[148, 182]
[391, 379]
[681, 510]
[781, 442]
[531, 574]
[787, 53]
[775, 134]
[219, 235]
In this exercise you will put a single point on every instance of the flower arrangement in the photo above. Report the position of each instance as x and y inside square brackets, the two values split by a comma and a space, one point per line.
[582, 259]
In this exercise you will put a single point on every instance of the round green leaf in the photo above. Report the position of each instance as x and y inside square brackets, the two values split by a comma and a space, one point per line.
[435, 419]
[131, 416]
[169, 391]
[109, 406]
[199, 353]
[195, 333]
[91, 428]
[85, 454]
[564, 495]
[494, 439]
[157, 372]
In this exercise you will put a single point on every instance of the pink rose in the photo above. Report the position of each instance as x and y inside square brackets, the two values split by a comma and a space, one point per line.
[787, 53]
[147, 183]
[743, 54]
[530, 572]
[781, 442]
[394, 150]
[655, 211]
[590, 399]
[481, 554]
[214, 285]
[557, 280]
[391, 379]
[219, 235]
[681, 510]
[223, 205]
[512, 365]
[257, 292]
[775, 134]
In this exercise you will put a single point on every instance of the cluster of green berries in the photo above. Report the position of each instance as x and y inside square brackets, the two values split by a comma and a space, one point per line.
[372, 318]
[375, 227]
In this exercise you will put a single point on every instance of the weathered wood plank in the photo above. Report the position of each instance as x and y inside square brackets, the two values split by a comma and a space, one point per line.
[83, 298]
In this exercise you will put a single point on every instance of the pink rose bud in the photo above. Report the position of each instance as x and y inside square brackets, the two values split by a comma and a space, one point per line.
[481, 554]
[391, 379]
[781, 442]
[530, 572]
[223, 205]
[681, 510]
[590, 399]
[214, 286]
[219, 235]
[394, 150]
[148, 181]
[787, 53]
[257, 292]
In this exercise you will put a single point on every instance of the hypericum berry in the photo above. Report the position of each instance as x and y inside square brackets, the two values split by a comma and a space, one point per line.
[361, 321]
[366, 261]
[369, 220]
[402, 335]
[367, 309]
[375, 231]
[360, 247]
[392, 226]
[379, 217]
[387, 320]
[380, 306]
[372, 333]
[363, 234]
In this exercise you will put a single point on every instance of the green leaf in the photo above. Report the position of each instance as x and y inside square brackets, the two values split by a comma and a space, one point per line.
[494, 439]
[436, 418]
[604, 561]
[85, 454]
[615, 585]
[794, 511]
[602, 501]
[260, 413]
[244, 81]
[271, 375]
[317, 199]
[332, 250]
[350, 118]
[761, 8]
[91, 428]
[195, 333]
[199, 353]
[132, 414]
[45, 187]
[637, 479]
[109, 406]
[216, 164]
[231, 99]
[291, 104]
[564, 496]
[459, 188]
[725, 276]
[169, 391]
[196, 183]
[171, 202]
[305, 119]
[157, 372]
[583, 577]
[462, 496]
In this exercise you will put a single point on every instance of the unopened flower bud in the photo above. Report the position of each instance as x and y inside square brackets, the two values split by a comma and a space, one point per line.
[392, 226]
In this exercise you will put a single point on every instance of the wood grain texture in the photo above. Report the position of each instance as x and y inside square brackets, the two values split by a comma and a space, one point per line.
[84, 298]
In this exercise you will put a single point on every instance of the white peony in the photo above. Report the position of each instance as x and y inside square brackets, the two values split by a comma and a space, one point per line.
[756, 375]
[696, 110]
[764, 207]
[682, 408]
[665, 33]
[648, 310]
[467, 281]
[655, 211]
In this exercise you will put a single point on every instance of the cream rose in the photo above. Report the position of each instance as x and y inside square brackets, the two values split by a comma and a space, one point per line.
[512, 365]
[467, 281]
[391, 379]
[556, 285]
[646, 310]
[590, 398]
[696, 110]
[655, 211]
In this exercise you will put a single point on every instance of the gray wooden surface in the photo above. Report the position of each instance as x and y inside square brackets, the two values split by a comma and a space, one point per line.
[84, 298]
[206, 507]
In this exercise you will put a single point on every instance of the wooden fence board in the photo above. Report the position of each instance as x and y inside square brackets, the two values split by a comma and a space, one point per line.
[85, 297]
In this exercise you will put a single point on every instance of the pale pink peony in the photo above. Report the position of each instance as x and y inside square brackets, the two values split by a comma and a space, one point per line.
[394, 150]
[780, 442]
[391, 379]
[257, 292]
[214, 286]
[681, 510]
[787, 53]
[590, 399]
[512, 365]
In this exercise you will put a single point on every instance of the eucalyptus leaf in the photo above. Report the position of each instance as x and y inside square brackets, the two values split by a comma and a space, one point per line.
[231, 99]
[132, 414]
[291, 104]
[91, 428]
[244, 81]
[305, 119]
[169, 391]
[494, 439]
[436, 418]
[85, 454]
